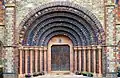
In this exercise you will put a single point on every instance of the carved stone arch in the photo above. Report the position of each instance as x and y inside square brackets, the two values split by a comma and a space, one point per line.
[76, 26]
[79, 40]
[70, 36]
[32, 19]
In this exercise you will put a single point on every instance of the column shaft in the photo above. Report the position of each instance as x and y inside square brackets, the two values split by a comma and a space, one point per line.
[20, 61]
[84, 48]
[100, 60]
[36, 60]
[26, 61]
[45, 60]
[71, 61]
[31, 61]
[41, 59]
[49, 60]
[89, 58]
[80, 59]
[75, 58]
[94, 55]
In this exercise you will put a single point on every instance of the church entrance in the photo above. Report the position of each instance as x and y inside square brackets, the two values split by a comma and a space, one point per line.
[60, 37]
[60, 54]
[60, 58]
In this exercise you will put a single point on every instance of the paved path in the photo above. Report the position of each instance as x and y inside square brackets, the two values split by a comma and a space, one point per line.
[61, 76]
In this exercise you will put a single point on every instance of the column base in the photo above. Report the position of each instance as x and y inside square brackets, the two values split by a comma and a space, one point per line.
[100, 76]
[10, 75]
[21, 76]
[95, 75]
[71, 73]
[45, 72]
[111, 75]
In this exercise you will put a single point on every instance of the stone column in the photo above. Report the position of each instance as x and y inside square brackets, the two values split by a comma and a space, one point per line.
[100, 60]
[71, 61]
[26, 60]
[10, 66]
[94, 59]
[20, 68]
[20, 61]
[31, 60]
[36, 60]
[49, 60]
[89, 59]
[75, 49]
[41, 59]
[80, 58]
[84, 52]
[45, 59]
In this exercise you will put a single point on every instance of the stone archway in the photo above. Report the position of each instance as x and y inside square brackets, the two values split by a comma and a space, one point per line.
[61, 18]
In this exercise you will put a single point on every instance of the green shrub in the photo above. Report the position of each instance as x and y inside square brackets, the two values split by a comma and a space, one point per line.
[84, 73]
[89, 74]
[78, 73]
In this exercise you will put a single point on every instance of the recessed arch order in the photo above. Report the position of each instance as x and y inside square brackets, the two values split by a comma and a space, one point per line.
[66, 18]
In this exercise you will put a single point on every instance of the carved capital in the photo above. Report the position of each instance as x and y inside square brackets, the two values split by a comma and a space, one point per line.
[75, 48]
[45, 48]
[26, 48]
[88, 47]
[84, 47]
[31, 48]
[80, 48]
[41, 48]
[99, 47]
[93, 47]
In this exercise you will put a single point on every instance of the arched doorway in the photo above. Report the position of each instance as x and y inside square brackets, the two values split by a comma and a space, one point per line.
[60, 54]
[60, 57]
[78, 28]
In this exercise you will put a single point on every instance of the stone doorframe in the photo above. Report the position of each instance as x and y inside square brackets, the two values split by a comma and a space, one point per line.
[64, 40]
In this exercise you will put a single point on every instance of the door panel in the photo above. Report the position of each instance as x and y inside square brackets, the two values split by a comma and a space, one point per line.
[60, 58]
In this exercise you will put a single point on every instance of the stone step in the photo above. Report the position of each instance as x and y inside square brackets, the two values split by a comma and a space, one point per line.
[60, 73]
[62, 76]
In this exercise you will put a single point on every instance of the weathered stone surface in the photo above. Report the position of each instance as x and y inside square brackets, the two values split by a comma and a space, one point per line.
[9, 41]
[10, 75]
[24, 7]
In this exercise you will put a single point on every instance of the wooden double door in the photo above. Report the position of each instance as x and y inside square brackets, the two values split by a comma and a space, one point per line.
[60, 58]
